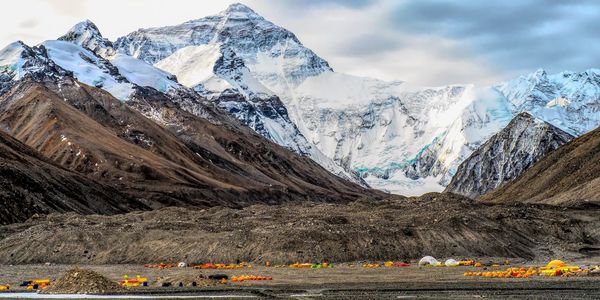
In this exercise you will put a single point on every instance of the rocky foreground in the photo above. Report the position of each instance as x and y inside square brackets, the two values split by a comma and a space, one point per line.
[442, 225]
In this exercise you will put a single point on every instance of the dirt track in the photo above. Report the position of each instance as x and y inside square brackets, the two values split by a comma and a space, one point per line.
[343, 281]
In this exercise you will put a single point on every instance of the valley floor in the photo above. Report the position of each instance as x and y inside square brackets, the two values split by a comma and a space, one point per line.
[341, 282]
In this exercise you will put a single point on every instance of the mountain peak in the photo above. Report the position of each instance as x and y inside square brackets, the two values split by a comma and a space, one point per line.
[240, 10]
[87, 25]
[539, 73]
[86, 34]
[523, 115]
[239, 7]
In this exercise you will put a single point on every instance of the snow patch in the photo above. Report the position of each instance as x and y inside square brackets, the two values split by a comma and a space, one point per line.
[85, 65]
[143, 74]
[560, 101]
[193, 65]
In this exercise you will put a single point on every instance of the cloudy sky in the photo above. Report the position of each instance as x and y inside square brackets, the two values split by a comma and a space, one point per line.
[428, 42]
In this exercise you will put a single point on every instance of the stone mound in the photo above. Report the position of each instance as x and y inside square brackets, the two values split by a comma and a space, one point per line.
[81, 281]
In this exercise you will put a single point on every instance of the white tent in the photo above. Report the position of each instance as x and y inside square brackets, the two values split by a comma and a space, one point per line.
[428, 260]
[451, 262]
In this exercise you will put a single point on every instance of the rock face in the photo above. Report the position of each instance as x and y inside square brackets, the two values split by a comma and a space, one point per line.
[568, 176]
[87, 35]
[506, 155]
[222, 77]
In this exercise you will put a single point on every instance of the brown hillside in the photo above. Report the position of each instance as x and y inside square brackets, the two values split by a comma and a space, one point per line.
[31, 184]
[176, 159]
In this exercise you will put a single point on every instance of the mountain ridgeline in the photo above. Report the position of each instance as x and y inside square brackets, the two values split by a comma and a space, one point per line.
[399, 138]
[233, 110]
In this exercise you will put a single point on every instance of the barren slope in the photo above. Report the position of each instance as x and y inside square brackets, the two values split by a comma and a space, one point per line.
[443, 225]
[31, 184]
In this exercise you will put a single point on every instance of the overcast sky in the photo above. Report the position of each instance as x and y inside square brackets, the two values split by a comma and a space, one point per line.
[428, 42]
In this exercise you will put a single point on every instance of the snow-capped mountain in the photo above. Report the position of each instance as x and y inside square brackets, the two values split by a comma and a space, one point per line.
[506, 155]
[400, 138]
[269, 51]
[216, 57]
[93, 60]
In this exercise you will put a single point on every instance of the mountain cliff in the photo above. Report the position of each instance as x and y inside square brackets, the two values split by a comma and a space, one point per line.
[568, 176]
[506, 155]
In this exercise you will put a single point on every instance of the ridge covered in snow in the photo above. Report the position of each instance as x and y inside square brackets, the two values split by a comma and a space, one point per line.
[217, 56]
[87, 35]
[568, 100]
[18, 60]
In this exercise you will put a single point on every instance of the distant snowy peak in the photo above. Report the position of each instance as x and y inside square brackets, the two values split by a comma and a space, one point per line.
[240, 11]
[269, 51]
[568, 100]
[87, 35]
[117, 67]
[506, 155]
[18, 60]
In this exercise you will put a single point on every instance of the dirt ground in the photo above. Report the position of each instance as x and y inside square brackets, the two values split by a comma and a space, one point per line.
[442, 225]
[341, 282]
